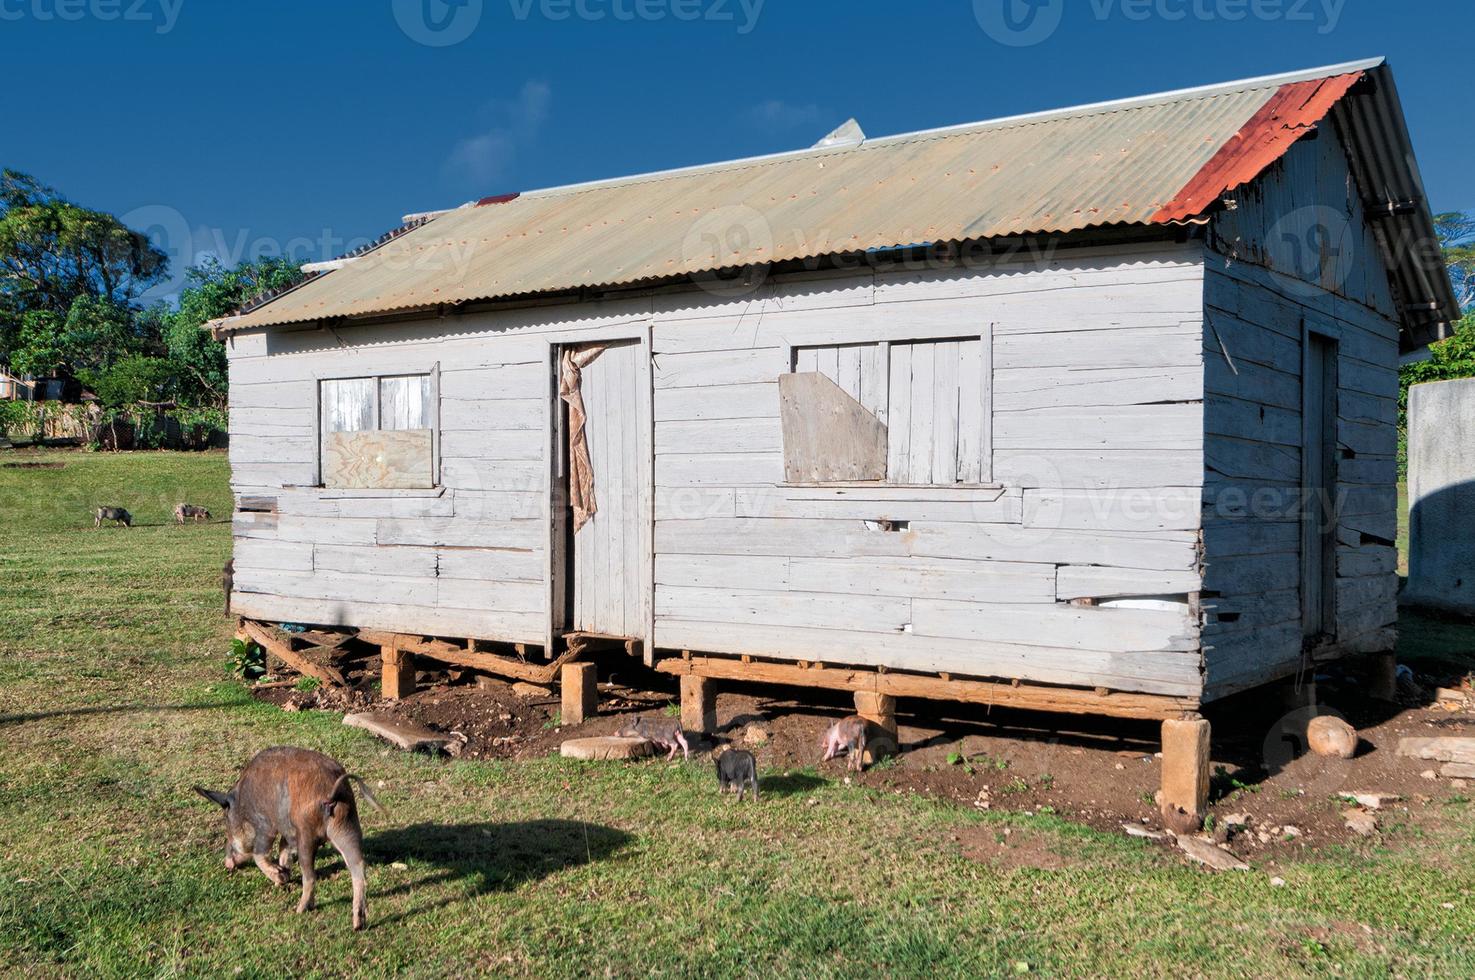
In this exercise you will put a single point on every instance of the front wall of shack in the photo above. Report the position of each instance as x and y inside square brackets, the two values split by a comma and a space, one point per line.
[1073, 564]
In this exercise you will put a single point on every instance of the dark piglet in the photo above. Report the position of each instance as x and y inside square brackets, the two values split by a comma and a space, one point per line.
[848, 734]
[664, 732]
[301, 798]
[189, 512]
[737, 770]
[117, 514]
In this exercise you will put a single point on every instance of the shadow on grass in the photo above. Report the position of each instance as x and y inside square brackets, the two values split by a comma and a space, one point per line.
[494, 856]
[790, 784]
[111, 709]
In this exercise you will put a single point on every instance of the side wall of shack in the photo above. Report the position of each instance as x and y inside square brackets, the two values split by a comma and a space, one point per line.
[1074, 561]
[1296, 255]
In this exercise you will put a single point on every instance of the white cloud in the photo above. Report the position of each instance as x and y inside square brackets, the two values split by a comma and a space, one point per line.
[510, 125]
[776, 114]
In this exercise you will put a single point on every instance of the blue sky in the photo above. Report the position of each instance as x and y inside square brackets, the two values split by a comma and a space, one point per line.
[299, 126]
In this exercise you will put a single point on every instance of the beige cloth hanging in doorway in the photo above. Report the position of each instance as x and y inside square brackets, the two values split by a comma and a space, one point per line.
[580, 470]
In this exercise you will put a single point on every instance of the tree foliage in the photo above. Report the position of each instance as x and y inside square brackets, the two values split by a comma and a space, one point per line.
[55, 254]
[1456, 231]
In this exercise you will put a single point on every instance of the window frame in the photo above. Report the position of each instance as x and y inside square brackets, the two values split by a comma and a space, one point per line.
[433, 373]
[984, 336]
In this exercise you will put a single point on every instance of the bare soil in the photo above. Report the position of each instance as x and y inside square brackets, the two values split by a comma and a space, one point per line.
[1270, 799]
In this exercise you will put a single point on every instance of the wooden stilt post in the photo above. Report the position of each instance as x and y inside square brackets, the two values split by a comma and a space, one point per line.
[398, 679]
[698, 704]
[1184, 798]
[878, 709]
[1383, 677]
[580, 693]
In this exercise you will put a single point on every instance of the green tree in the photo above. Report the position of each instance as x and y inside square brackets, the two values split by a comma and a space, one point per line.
[212, 291]
[135, 378]
[1456, 231]
[93, 333]
[54, 253]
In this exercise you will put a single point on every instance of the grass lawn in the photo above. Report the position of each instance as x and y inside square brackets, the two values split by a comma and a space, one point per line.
[114, 699]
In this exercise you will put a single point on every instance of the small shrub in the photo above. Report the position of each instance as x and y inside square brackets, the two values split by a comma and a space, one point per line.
[247, 660]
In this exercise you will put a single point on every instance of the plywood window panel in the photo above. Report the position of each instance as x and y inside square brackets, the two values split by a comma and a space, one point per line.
[932, 398]
[379, 432]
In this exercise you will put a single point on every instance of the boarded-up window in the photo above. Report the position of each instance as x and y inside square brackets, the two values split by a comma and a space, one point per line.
[379, 432]
[930, 395]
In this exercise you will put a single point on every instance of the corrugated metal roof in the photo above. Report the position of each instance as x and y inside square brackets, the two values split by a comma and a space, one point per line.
[1124, 162]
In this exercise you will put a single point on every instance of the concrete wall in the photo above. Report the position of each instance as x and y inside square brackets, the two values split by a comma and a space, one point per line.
[1441, 495]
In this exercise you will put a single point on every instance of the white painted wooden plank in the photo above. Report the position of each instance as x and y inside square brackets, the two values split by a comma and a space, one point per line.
[263, 553]
[763, 435]
[971, 420]
[761, 572]
[1125, 348]
[1162, 672]
[1131, 427]
[946, 409]
[440, 531]
[488, 564]
[498, 505]
[1058, 387]
[405, 562]
[899, 414]
[778, 502]
[921, 436]
[983, 542]
[311, 530]
[814, 609]
[513, 444]
[274, 448]
[719, 469]
[694, 503]
[1073, 469]
[482, 415]
[486, 624]
[739, 401]
[973, 581]
[1114, 509]
[721, 367]
[1074, 627]
[500, 596]
[515, 476]
[1101, 582]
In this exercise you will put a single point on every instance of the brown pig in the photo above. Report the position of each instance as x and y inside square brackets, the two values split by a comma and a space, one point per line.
[664, 732]
[302, 798]
[848, 734]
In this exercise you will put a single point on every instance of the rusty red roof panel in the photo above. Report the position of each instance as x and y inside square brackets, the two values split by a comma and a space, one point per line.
[1292, 112]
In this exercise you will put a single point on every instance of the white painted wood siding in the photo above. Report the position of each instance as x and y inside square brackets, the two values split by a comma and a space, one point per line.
[1267, 279]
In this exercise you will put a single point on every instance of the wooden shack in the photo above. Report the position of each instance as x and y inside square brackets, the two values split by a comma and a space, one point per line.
[1087, 411]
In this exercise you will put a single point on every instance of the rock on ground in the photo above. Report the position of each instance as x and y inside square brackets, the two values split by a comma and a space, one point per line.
[1210, 855]
[605, 747]
[1330, 736]
[404, 734]
[1360, 821]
